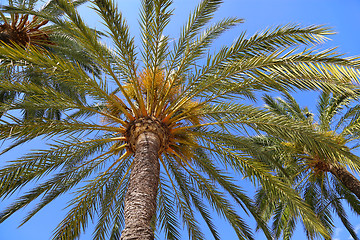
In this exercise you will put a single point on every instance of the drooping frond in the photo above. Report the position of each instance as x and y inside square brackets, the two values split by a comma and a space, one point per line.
[311, 171]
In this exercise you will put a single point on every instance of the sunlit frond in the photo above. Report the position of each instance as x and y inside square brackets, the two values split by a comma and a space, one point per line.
[105, 108]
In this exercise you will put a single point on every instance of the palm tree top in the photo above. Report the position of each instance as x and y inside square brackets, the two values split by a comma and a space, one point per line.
[23, 32]
[324, 181]
[335, 118]
[22, 28]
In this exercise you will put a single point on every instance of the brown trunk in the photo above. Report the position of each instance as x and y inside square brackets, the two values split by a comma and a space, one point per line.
[346, 178]
[140, 199]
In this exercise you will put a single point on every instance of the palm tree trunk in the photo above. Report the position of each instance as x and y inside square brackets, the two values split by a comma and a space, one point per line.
[346, 178]
[140, 199]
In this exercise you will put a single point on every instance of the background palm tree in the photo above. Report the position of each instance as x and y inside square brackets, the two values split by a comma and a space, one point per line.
[21, 28]
[162, 110]
[325, 183]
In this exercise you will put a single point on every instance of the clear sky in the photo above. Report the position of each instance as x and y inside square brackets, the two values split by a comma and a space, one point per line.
[342, 16]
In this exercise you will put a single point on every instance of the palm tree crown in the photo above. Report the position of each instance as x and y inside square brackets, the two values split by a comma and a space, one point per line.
[21, 28]
[151, 134]
[323, 181]
[23, 32]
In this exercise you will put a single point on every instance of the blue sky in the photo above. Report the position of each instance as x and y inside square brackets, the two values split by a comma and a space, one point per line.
[342, 16]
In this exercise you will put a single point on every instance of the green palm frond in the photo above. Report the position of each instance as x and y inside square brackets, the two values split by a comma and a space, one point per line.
[167, 213]
[312, 180]
[98, 100]
[89, 196]
[27, 22]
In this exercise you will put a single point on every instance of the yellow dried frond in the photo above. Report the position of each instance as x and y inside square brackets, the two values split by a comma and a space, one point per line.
[336, 137]
[155, 82]
[147, 80]
[130, 90]
[193, 112]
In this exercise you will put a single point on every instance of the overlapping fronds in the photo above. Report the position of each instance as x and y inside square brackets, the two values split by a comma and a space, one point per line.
[308, 171]
[26, 26]
[195, 110]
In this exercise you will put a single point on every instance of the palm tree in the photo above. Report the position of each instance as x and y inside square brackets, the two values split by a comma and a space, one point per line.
[16, 29]
[24, 29]
[147, 143]
[323, 182]
[23, 32]
[21, 28]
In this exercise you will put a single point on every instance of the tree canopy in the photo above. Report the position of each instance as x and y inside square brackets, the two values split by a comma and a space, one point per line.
[151, 129]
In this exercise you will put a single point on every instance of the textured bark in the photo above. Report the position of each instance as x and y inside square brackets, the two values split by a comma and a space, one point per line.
[140, 199]
[346, 178]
